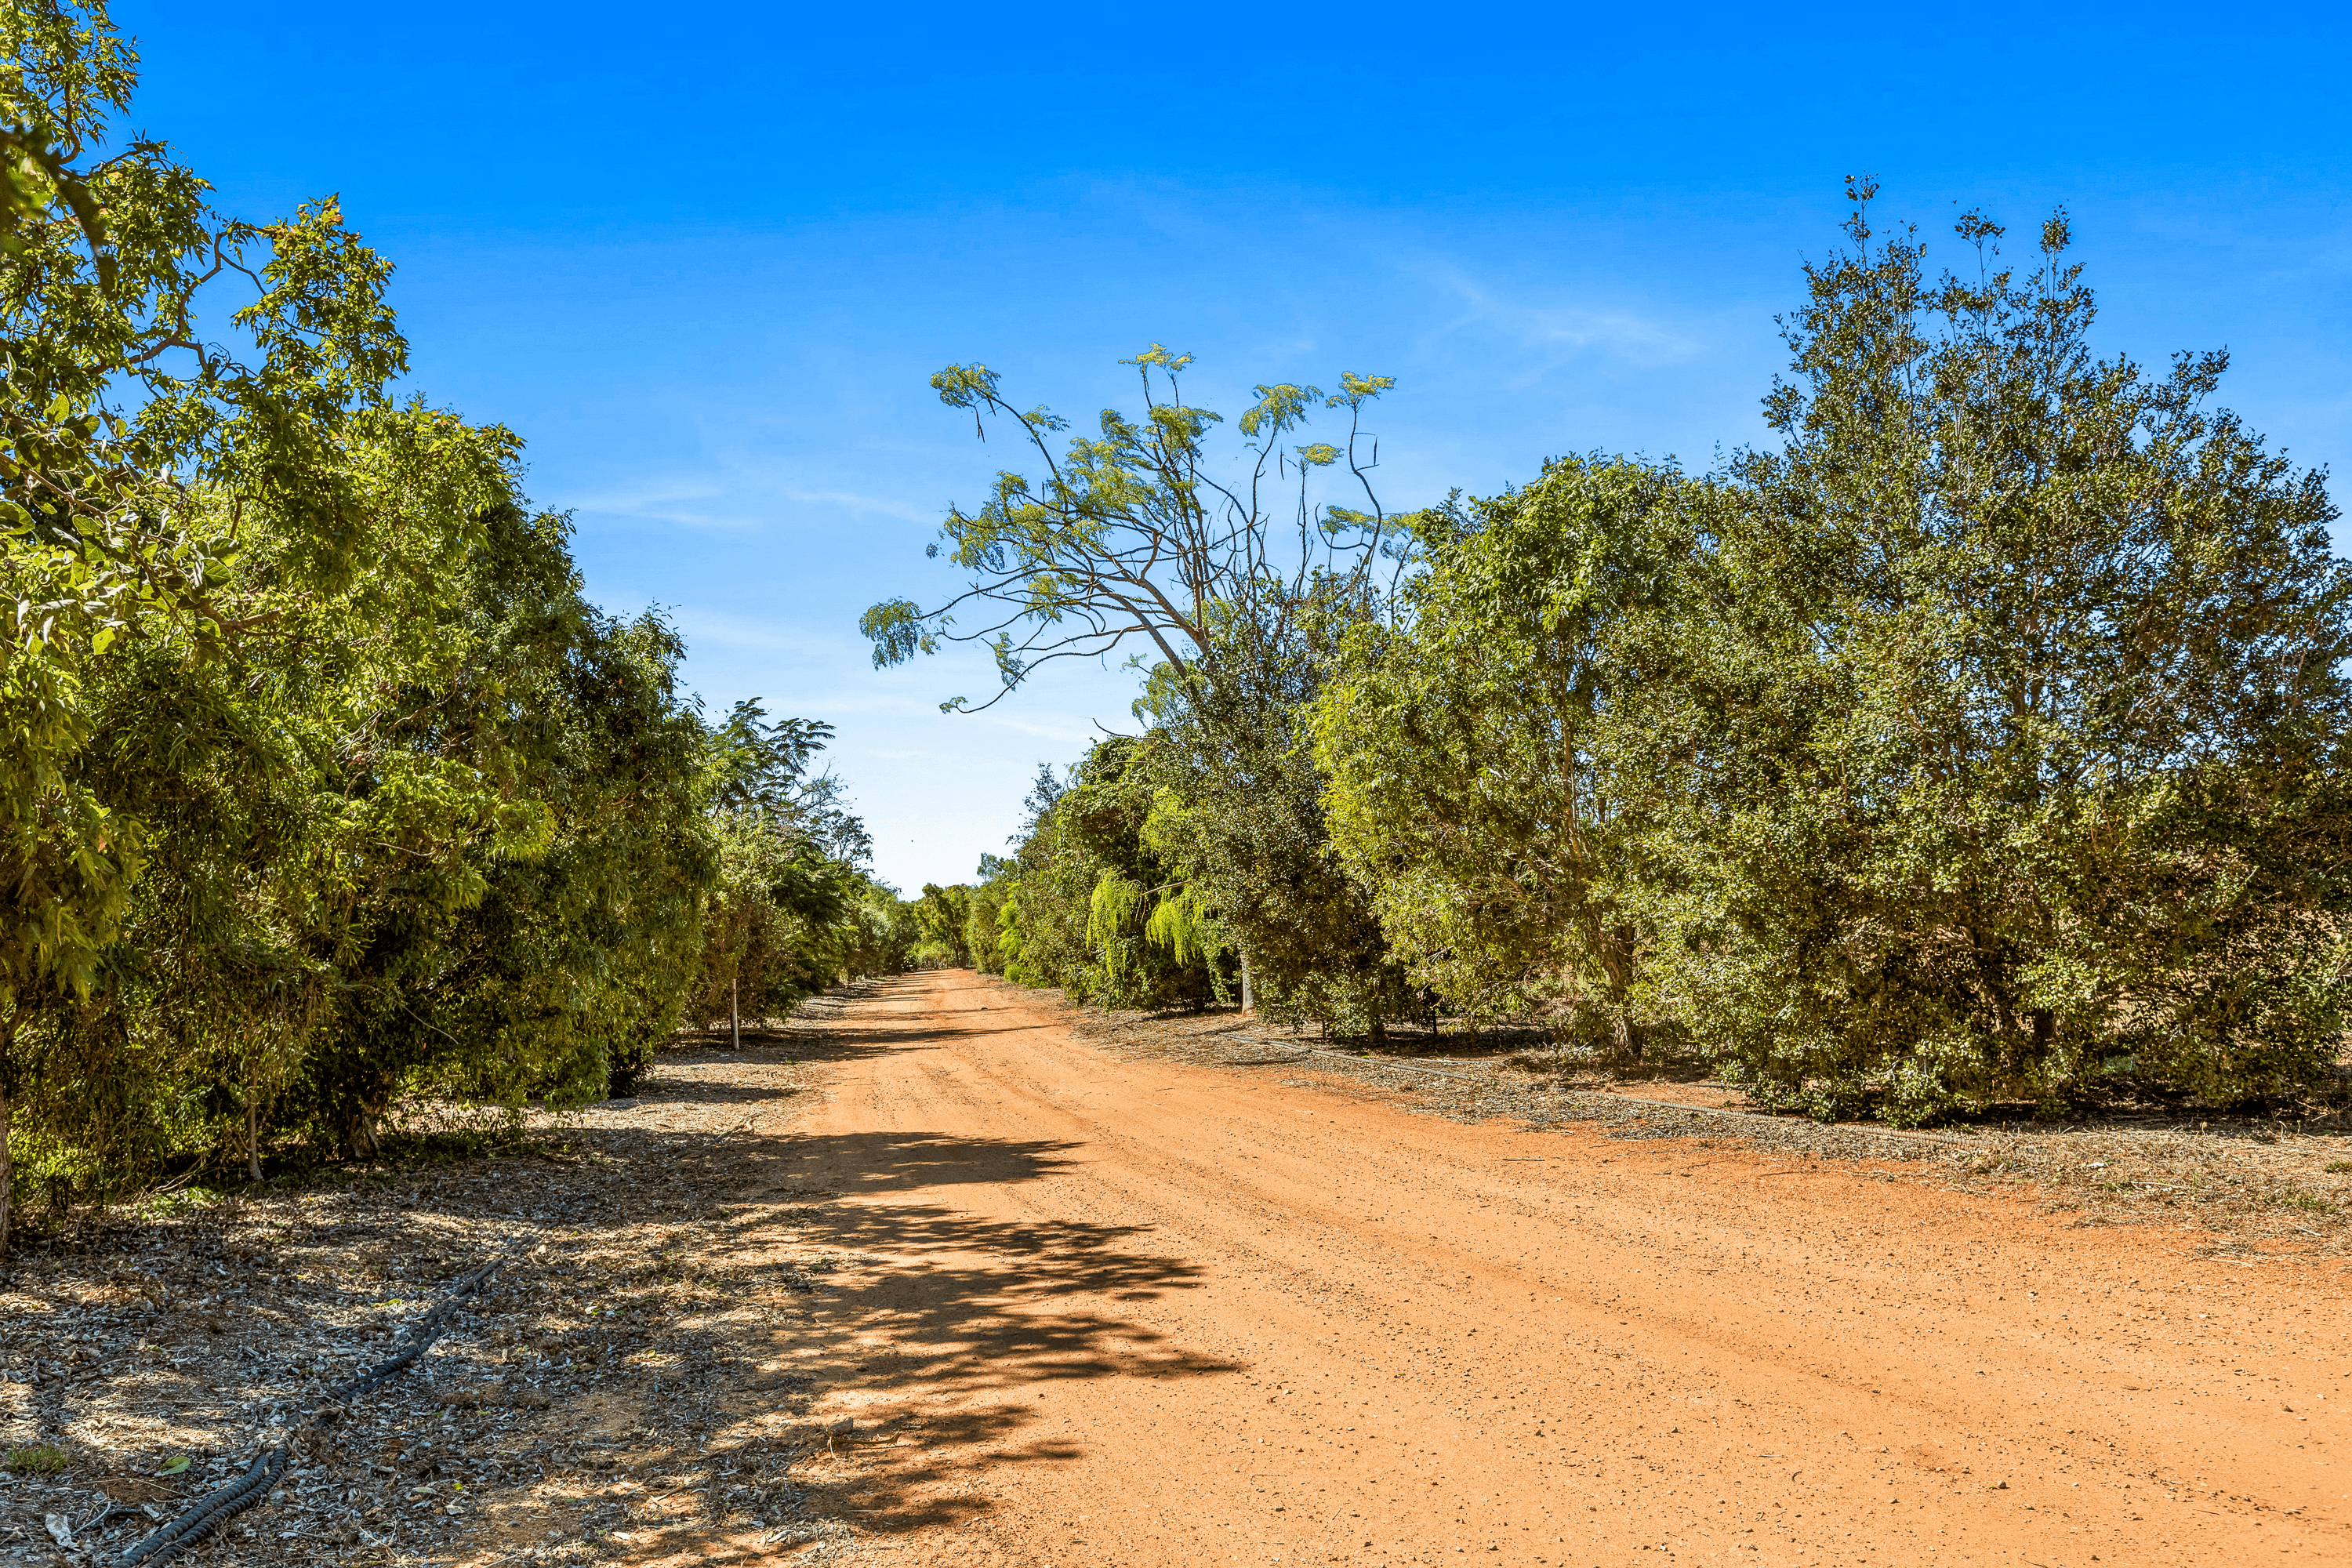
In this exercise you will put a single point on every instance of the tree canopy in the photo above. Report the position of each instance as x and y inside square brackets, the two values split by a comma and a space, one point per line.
[1977, 741]
[329, 798]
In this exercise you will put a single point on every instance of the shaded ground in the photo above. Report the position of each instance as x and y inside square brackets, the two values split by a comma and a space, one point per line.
[930, 1275]
[639, 1370]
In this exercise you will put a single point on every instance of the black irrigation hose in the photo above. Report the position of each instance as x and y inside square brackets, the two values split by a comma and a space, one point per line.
[211, 1511]
[216, 1509]
[422, 1333]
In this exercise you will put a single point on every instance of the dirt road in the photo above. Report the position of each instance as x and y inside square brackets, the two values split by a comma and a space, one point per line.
[1146, 1314]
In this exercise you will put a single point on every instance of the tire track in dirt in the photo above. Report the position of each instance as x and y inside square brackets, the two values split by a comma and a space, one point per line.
[1137, 1314]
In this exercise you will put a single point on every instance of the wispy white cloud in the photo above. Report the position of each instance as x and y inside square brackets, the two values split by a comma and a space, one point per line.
[1555, 335]
[751, 499]
[631, 501]
[671, 503]
[876, 506]
[744, 634]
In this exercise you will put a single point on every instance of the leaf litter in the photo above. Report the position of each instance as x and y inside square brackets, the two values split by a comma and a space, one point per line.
[613, 1394]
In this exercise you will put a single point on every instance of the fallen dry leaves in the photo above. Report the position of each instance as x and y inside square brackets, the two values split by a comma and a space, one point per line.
[613, 1394]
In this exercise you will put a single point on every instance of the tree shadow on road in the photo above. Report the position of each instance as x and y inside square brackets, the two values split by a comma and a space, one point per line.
[954, 1328]
[874, 1163]
[951, 1335]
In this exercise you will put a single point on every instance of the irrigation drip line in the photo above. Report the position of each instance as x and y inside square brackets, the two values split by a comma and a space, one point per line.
[216, 1508]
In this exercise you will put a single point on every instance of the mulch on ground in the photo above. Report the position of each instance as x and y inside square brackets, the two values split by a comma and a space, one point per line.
[617, 1391]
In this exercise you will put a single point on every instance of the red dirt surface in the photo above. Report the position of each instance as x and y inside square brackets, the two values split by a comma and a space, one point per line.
[1133, 1313]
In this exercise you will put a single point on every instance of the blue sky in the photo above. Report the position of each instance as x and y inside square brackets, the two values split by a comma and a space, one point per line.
[704, 258]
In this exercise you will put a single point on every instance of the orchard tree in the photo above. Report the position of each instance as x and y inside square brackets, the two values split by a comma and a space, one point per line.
[1221, 573]
[1240, 816]
[2009, 756]
[1083, 904]
[944, 917]
[113, 415]
[1474, 744]
[779, 923]
[1142, 535]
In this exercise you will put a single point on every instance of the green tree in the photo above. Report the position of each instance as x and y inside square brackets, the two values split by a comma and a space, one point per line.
[2007, 759]
[1077, 909]
[327, 792]
[1479, 782]
[789, 909]
[1142, 534]
[1148, 535]
[880, 935]
[1239, 816]
[984, 914]
[269, 788]
[124, 433]
[436, 831]
[944, 916]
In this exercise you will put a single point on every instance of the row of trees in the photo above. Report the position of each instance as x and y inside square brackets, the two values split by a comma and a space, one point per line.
[1981, 739]
[325, 787]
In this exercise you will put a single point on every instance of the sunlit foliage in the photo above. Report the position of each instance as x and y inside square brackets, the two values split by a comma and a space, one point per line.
[328, 794]
[1980, 740]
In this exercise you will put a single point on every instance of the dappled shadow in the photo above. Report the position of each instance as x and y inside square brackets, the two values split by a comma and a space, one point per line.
[999, 1305]
[974, 1318]
[949, 1329]
[646, 1324]
[673, 1088]
[868, 1162]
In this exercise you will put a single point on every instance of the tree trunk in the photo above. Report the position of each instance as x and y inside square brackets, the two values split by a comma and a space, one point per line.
[1249, 997]
[252, 1136]
[7, 1155]
[2045, 1036]
[8, 1179]
[735, 1010]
